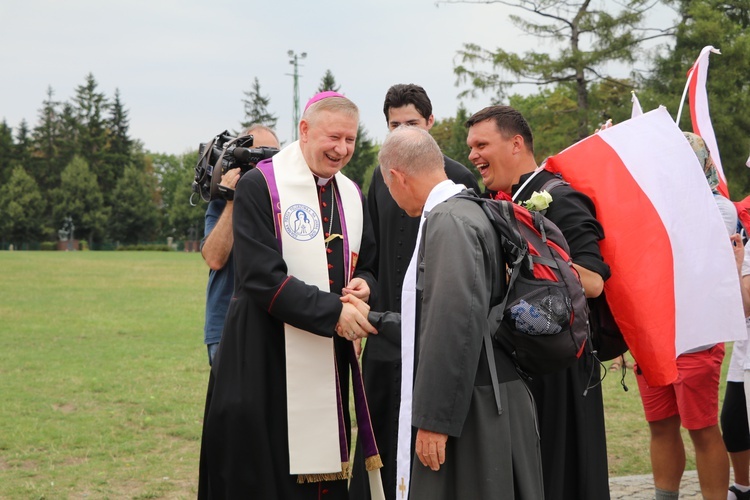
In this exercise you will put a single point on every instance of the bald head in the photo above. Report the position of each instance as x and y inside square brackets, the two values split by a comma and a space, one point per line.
[412, 151]
[411, 164]
[263, 136]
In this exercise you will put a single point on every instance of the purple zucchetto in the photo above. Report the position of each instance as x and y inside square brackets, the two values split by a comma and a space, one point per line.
[320, 96]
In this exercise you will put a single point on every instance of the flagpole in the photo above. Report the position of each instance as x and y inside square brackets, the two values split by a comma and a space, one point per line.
[684, 94]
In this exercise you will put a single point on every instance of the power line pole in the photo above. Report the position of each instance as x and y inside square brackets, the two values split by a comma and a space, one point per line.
[294, 61]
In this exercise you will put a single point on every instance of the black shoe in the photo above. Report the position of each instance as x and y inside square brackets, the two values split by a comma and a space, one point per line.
[739, 494]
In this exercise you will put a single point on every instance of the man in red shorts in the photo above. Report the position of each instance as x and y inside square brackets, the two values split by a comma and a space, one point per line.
[693, 399]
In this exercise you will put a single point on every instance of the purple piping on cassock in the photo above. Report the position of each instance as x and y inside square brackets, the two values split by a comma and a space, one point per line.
[364, 424]
[266, 168]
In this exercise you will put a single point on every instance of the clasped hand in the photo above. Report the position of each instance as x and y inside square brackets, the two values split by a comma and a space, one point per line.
[353, 324]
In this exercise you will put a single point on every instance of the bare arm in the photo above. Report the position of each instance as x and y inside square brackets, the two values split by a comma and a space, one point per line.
[593, 284]
[739, 257]
[219, 242]
[745, 287]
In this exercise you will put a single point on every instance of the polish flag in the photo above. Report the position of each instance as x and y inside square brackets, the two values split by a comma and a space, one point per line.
[699, 114]
[674, 284]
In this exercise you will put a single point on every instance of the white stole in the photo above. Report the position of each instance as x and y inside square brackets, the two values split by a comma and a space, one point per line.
[312, 408]
[439, 193]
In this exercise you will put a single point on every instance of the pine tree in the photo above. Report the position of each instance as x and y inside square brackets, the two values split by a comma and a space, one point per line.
[7, 147]
[590, 38]
[46, 143]
[69, 130]
[118, 148]
[22, 153]
[328, 83]
[256, 108]
[90, 106]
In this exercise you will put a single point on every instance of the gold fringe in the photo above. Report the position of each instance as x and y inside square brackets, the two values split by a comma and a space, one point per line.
[330, 476]
[373, 463]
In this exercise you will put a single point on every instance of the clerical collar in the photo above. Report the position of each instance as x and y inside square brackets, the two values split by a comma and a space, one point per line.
[322, 181]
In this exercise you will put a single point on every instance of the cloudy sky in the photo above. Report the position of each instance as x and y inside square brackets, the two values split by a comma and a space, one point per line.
[182, 66]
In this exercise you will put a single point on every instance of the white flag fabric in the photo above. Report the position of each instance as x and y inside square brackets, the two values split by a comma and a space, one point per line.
[699, 114]
[674, 284]
[637, 109]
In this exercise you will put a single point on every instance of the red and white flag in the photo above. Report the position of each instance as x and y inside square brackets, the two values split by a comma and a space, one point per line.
[699, 114]
[674, 284]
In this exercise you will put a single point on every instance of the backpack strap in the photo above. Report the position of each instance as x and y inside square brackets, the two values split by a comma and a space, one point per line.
[553, 183]
[495, 314]
[490, 349]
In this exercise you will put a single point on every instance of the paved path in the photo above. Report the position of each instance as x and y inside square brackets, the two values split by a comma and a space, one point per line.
[642, 487]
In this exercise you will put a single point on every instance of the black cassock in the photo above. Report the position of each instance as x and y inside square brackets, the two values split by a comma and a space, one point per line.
[396, 235]
[571, 424]
[245, 447]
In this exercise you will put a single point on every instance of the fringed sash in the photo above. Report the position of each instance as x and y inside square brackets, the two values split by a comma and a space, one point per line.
[318, 450]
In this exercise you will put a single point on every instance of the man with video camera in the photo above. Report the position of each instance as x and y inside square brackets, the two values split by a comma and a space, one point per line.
[216, 246]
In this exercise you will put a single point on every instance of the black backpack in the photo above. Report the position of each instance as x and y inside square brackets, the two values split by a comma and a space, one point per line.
[542, 321]
[607, 340]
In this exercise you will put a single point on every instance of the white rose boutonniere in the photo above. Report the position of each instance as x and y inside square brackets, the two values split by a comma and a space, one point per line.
[538, 201]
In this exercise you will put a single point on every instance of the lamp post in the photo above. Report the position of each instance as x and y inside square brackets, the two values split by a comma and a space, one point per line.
[294, 61]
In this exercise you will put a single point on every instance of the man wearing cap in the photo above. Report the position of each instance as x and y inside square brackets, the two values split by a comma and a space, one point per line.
[276, 422]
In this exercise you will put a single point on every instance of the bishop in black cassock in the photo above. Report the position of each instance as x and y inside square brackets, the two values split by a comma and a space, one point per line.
[245, 448]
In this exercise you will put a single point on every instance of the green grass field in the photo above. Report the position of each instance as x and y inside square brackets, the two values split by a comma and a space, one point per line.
[103, 375]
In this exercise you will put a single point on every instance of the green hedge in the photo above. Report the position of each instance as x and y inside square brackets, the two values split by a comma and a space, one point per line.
[146, 247]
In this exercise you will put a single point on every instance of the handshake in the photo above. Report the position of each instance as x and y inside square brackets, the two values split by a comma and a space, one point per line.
[356, 321]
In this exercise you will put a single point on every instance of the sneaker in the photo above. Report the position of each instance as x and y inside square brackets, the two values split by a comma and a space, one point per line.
[739, 495]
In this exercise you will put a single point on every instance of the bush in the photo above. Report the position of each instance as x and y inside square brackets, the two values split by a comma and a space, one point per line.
[83, 245]
[48, 245]
[146, 247]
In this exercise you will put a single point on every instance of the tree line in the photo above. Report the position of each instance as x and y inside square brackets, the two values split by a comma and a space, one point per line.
[80, 162]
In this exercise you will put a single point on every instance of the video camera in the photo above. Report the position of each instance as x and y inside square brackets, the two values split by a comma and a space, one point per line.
[224, 153]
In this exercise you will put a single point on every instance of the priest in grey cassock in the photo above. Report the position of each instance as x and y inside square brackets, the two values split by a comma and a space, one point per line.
[471, 438]
[276, 423]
